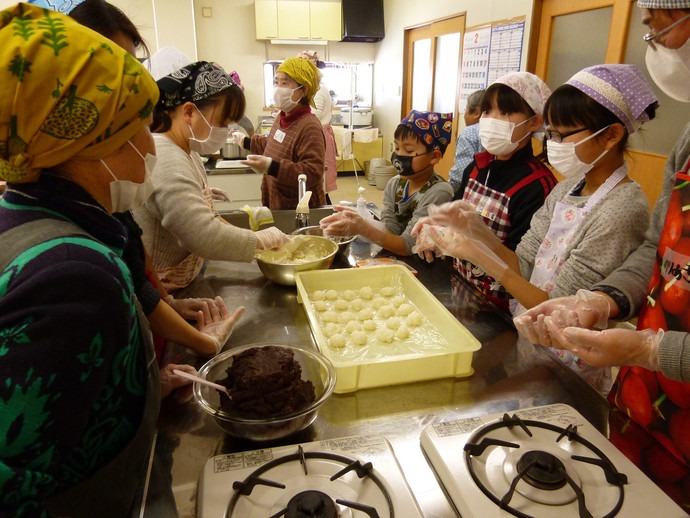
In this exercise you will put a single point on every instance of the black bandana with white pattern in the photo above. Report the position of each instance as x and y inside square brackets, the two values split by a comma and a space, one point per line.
[193, 82]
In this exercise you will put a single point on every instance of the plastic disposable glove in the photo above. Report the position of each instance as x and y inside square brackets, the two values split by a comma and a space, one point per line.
[237, 137]
[453, 243]
[258, 163]
[612, 347]
[219, 194]
[345, 222]
[217, 322]
[188, 308]
[270, 238]
[171, 381]
[425, 247]
[585, 309]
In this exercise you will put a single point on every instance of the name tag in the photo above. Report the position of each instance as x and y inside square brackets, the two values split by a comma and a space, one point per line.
[279, 136]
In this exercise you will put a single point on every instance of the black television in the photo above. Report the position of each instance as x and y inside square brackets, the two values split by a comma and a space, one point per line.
[363, 20]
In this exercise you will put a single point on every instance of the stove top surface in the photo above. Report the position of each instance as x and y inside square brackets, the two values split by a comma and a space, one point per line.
[538, 465]
[316, 475]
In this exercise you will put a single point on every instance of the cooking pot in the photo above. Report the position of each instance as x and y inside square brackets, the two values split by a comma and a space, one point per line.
[230, 150]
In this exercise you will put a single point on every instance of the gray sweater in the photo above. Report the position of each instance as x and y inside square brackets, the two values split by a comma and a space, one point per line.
[608, 234]
[633, 277]
[176, 219]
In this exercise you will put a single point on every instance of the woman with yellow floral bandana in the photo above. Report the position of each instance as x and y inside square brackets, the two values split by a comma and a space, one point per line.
[295, 145]
[79, 387]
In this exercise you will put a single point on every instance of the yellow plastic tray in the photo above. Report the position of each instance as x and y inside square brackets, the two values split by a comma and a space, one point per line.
[450, 357]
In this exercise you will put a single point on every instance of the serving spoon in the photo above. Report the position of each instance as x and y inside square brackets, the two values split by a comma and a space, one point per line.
[191, 377]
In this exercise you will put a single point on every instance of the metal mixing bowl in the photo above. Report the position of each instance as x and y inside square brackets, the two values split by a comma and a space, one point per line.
[342, 242]
[285, 273]
[315, 368]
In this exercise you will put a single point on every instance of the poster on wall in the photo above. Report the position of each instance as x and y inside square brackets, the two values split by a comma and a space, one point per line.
[488, 52]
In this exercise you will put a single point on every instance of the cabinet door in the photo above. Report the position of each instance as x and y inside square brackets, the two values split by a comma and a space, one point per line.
[266, 19]
[326, 21]
[293, 20]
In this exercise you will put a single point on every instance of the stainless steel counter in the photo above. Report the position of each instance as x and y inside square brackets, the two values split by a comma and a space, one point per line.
[188, 438]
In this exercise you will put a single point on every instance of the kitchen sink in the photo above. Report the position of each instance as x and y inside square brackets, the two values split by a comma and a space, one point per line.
[283, 219]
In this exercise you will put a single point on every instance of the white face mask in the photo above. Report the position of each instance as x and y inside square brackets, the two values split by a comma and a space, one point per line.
[282, 97]
[564, 159]
[126, 195]
[216, 138]
[497, 135]
[670, 70]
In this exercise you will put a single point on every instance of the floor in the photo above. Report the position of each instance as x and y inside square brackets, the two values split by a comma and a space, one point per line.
[347, 191]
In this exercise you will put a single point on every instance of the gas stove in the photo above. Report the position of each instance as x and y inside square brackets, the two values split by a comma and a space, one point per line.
[350, 477]
[539, 462]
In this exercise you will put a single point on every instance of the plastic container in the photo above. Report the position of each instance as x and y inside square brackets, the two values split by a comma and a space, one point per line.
[450, 357]
[375, 162]
[383, 174]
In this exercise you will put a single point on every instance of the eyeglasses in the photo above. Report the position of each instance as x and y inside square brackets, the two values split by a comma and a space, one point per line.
[558, 137]
[651, 36]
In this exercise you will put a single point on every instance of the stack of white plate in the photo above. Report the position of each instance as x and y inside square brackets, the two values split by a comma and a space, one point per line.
[383, 174]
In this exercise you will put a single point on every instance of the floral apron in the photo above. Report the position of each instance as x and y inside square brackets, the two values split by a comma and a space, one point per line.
[175, 277]
[550, 258]
[659, 405]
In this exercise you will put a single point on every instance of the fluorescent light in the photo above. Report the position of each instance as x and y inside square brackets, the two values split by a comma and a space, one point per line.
[299, 42]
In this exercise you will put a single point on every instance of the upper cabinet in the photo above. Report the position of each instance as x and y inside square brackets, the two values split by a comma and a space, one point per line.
[298, 20]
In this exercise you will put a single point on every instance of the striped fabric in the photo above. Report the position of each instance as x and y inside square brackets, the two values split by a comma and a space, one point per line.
[663, 4]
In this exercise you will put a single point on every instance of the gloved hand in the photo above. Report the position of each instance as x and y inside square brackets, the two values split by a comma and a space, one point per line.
[237, 137]
[219, 194]
[461, 216]
[345, 222]
[612, 347]
[425, 247]
[453, 243]
[258, 163]
[217, 323]
[270, 238]
[188, 308]
[586, 309]
[171, 381]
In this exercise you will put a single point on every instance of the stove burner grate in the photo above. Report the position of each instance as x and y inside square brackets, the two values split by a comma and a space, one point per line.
[311, 501]
[538, 470]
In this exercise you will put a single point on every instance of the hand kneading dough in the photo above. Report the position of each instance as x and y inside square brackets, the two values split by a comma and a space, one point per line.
[318, 295]
[330, 316]
[393, 323]
[359, 338]
[414, 319]
[365, 314]
[405, 309]
[357, 304]
[387, 311]
[331, 295]
[402, 333]
[346, 317]
[341, 304]
[349, 295]
[331, 329]
[353, 326]
[369, 325]
[387, 291]
[366, 293]
[385, 335]
[320, 306]
[378, 302]
[338, 340]
[397, 301]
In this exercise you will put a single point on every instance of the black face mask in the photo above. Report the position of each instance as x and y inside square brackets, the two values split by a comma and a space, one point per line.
[403, 164]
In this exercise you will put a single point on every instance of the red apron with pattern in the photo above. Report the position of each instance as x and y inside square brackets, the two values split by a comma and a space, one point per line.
[660, 405]
[493, 206]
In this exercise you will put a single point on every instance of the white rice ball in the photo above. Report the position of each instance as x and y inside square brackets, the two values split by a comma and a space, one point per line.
[393, 323]
[402, 332]
[359, 338]
[378, 302]
[349, 295]
[331, 295]
[338, 341]
[331, 329]
[387, 291]
[320, 306]
[405, 309]
[387, 311]
[318, 295]
[357, 304]
[341, 305]
[366, 293]
[385, 335]
[414, 319]
[330, 316]
[353, 326]
[365, 314]
[369, 325]
[397, 301]
[346, 317]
